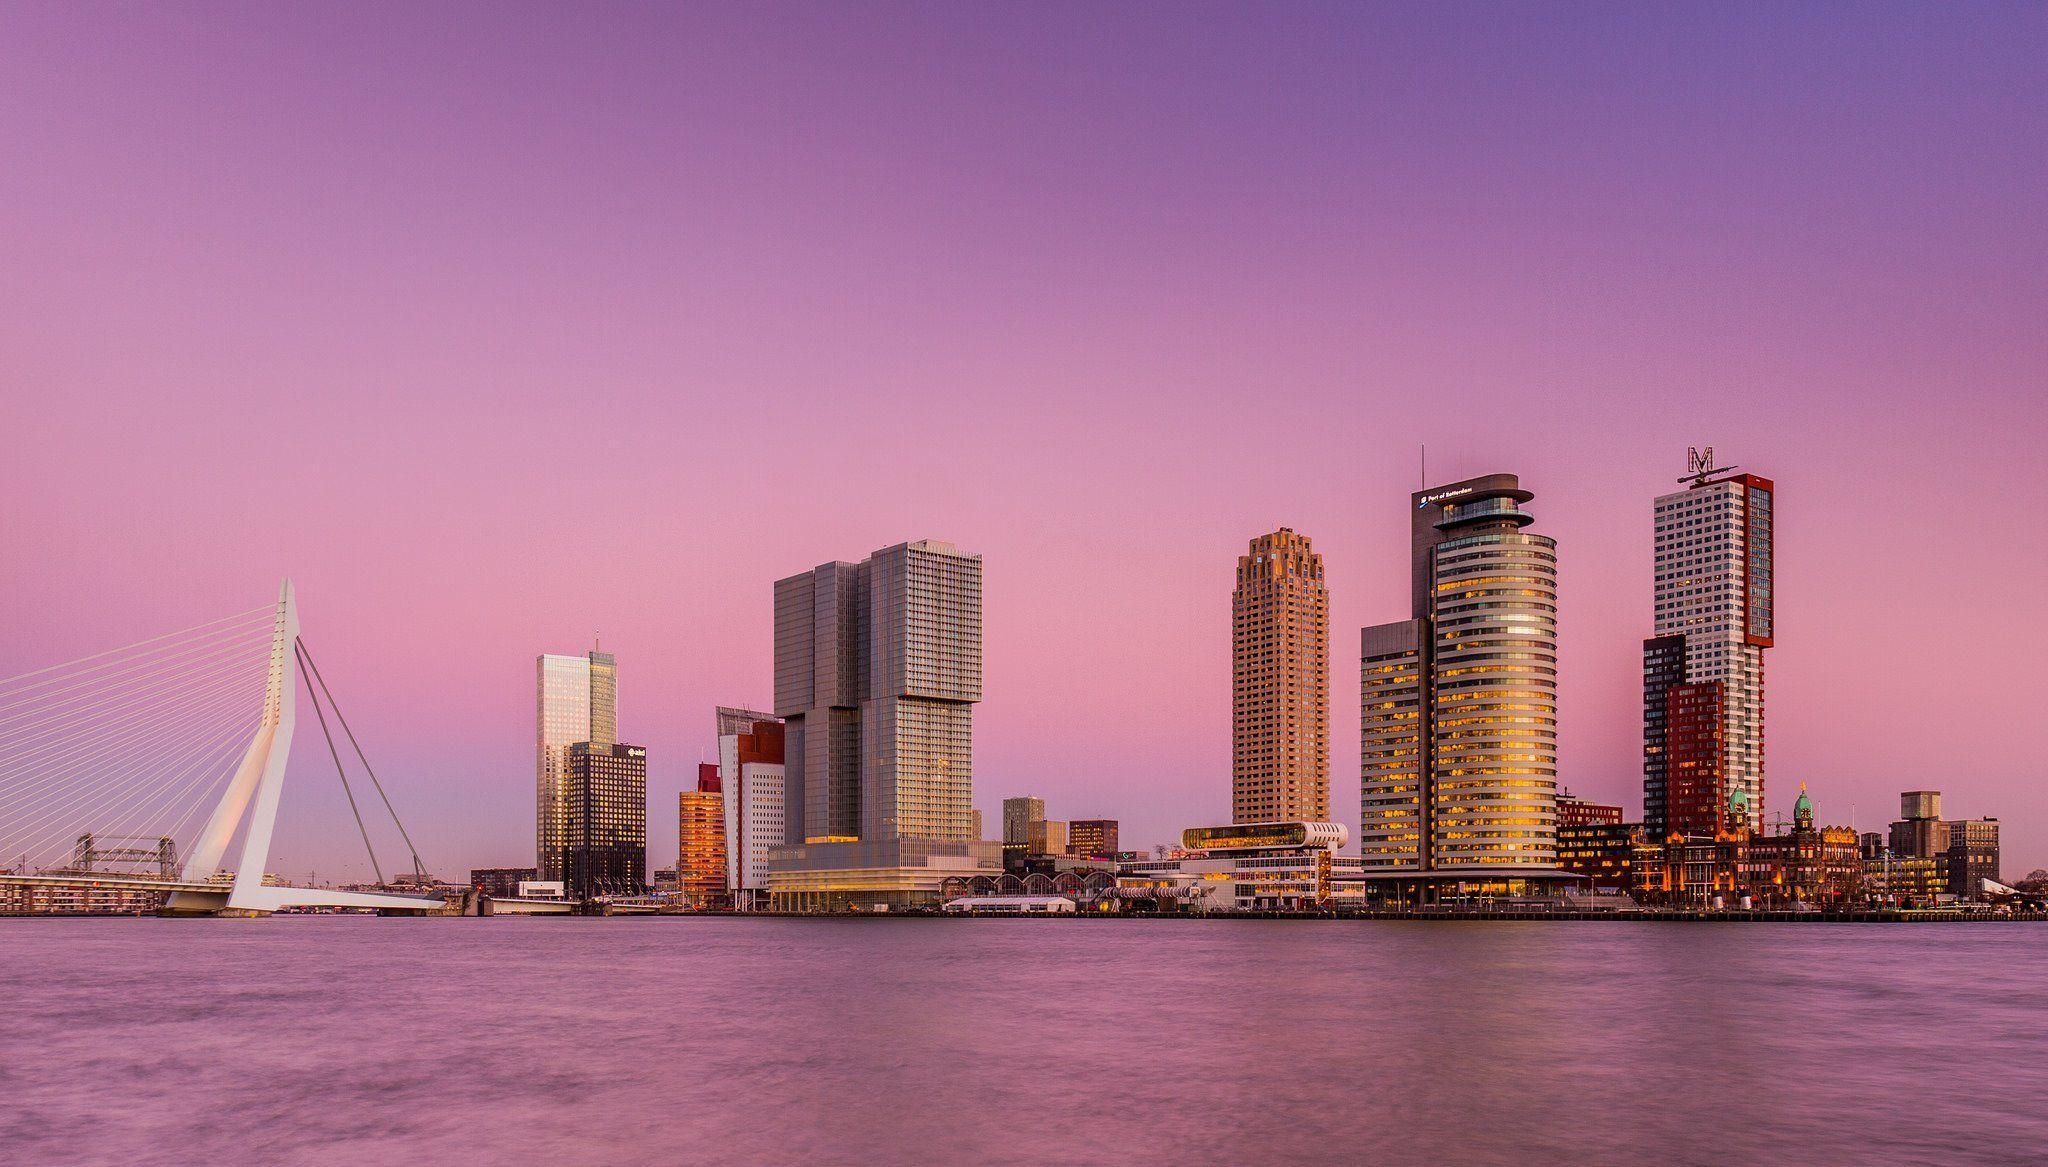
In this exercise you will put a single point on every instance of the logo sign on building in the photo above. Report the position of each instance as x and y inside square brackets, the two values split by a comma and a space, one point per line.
[1441, 495]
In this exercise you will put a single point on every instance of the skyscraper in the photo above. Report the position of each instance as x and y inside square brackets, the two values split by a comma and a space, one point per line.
[605, 852]
[1703, 671]
[1459, 702]
[1280, 683]
[877, 669]
[577, 701]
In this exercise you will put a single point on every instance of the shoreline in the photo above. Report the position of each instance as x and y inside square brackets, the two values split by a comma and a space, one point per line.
[1647, 916]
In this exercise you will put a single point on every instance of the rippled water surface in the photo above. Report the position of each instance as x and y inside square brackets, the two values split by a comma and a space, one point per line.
[367, 1041]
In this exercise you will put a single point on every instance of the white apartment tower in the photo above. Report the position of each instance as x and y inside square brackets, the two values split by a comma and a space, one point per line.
[1714, 620]
[750, 773]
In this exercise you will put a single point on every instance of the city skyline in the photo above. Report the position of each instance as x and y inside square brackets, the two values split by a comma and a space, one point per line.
[1052, 343]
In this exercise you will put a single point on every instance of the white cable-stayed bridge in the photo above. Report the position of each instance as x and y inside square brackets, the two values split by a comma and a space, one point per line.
[157, 767]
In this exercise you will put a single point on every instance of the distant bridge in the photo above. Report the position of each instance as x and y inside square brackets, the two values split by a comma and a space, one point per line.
[129, 744]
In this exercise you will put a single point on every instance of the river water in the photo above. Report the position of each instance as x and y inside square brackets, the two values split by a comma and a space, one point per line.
[681, 1041]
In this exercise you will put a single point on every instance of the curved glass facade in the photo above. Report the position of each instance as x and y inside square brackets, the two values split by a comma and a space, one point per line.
[1458, 728]
[1494, 710]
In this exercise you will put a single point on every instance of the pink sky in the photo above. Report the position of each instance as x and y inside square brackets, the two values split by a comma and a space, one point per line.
[495, 326]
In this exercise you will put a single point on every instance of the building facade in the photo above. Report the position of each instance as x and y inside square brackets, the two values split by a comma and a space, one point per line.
[1459, 702]
[1810, 864]
[877, 669]
[605, 853]
[1018, 815]
[501, 882]
[1248, 867]
[700, 842]
[1703, 670]
[1280, 683]
[577, 701]
[1573, 811]
[1603, 852]
[1965, 850]
[1972, 856]
[1092, 838]
[751, 769]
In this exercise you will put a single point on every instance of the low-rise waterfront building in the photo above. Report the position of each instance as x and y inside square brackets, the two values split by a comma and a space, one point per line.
[502, 882]
[874, 875]
[66, 899]
[1603, 852]
[1249, 867]
[1809, 864]
[1906, 881]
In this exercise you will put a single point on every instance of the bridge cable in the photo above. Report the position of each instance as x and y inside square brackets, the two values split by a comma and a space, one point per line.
[306, 654]
[336, 755]
[239, 616]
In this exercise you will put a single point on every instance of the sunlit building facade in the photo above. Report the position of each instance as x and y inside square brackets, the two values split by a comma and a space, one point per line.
[576, 700]
[1703, 670]
[701, 843]
[1280, 682]
[1459, 702]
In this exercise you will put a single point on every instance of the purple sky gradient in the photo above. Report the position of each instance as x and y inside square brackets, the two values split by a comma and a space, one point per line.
[493, 325]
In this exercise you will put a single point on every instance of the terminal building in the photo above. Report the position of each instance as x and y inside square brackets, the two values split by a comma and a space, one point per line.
[1248, 867]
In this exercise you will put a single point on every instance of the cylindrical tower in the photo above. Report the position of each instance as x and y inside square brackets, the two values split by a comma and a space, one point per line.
[1492, 620]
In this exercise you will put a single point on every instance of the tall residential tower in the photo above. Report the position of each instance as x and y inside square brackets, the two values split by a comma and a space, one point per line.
[1280, 683]
[1459, 701]
[1703, 671]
